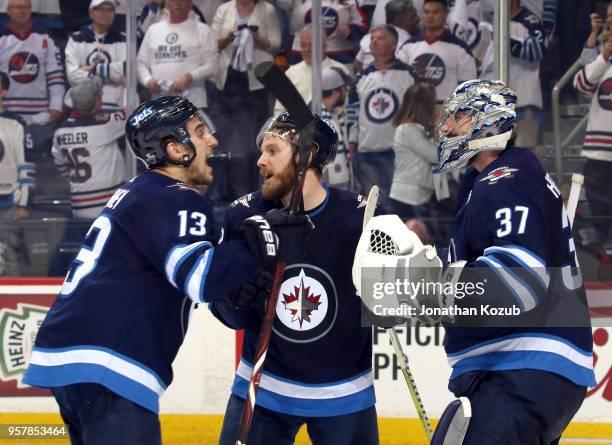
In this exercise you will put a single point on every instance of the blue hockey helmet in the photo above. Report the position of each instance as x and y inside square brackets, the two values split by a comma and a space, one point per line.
[325, 136]
[490, 106]
[154, 121]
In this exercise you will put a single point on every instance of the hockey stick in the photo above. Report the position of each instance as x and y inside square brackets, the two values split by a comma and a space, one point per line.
[276, 82]
[397, 346]
[572, 201]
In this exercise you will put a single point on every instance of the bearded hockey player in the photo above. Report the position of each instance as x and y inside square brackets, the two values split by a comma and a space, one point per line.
[318, 365]
[107, 344]
[525, 377]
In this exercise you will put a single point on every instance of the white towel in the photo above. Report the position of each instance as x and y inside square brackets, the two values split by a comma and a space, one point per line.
[242, 58]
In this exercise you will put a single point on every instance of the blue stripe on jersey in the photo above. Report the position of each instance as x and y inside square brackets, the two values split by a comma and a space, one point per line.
[514, 360]
[528, 350]
[524, 257]
[62, 375]
[177, 256]
[301, 399]
[308, 407]
[521, 291]
[50, 367]
[194, 284]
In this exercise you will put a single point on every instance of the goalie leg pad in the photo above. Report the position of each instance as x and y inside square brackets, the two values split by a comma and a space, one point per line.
[454, 423]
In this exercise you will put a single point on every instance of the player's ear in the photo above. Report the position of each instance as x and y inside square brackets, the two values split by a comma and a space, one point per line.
[174, 150]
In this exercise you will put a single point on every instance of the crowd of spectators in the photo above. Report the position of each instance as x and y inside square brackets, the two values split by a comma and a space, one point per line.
[386, 65]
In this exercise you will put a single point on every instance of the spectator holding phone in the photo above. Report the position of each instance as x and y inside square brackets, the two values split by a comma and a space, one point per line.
[248, 33]
[601, 27]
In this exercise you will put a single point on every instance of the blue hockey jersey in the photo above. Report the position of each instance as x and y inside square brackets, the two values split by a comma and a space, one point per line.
[319, 362]
[511, 221]
[124, 307]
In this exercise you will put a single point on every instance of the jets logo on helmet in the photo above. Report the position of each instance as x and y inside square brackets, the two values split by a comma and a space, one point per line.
[138, 118]
[489, 107]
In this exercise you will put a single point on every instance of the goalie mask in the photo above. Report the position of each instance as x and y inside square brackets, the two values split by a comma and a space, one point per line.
[489, 108]
[325, 136]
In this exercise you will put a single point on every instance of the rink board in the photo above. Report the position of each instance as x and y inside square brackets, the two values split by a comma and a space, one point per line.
[203, 373]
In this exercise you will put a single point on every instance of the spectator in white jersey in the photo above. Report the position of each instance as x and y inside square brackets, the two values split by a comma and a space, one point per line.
[177, 55]
[595, 80]
[85, 150]
[377, 95]
[335, 84]
[99, 50]
[437, 57]
[16, 174]
[300, 74]
[34, 65]
[402, 15]
[527, 47]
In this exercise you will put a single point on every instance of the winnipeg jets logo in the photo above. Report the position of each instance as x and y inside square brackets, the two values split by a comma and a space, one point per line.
[98, 56]
[141, 116]
[301, 302]
[23, 67]
[381, 105]
[499, 173]
[307, 304]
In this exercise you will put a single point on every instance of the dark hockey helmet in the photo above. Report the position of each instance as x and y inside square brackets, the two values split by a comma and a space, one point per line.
[325, 136]
[154, 121]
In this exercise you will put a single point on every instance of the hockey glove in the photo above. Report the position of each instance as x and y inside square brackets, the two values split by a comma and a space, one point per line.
[276, 236]
[252, 293]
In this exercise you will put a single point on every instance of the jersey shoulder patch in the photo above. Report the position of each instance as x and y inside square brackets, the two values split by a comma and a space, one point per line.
[499, 174]
[244, 200]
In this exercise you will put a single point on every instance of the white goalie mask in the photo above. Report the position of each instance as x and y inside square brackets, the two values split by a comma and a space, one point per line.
[490, 107]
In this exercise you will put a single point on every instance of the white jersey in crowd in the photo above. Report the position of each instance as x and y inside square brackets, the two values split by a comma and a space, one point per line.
[365, 55]
[466, 22]
[527, 46]
[106, 54]
[379, 94]
[443, 62]
[334, 14]
[34, 65]
[170, 50]
[595, 79]
[85, 149]
[16, 175]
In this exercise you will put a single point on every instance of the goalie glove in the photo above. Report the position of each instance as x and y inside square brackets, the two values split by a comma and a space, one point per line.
[396, 275]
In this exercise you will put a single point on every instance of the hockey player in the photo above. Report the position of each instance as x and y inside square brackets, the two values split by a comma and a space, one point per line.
[34, 64]
[107, 344]
[85, 149]
[527, 377]
[318, 368]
